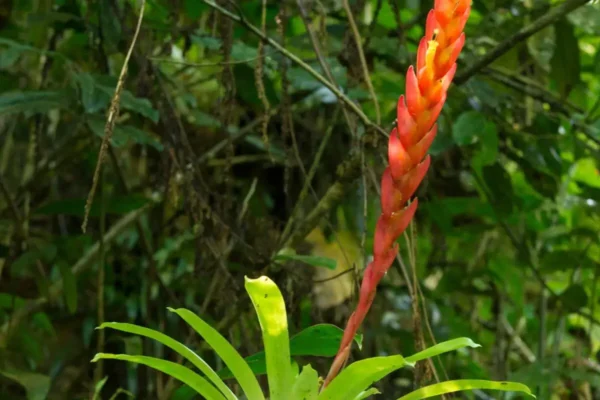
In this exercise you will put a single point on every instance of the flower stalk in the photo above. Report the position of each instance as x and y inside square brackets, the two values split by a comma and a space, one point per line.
[409, 141]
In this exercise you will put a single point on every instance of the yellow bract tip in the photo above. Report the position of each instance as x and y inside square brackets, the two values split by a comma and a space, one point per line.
[432, 46]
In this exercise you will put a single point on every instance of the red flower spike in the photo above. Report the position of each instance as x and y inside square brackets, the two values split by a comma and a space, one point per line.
[410, 182]
[405, 124]
[383, 238]
[421, 52]
[413, 94]
[447, 59]
[418, 151]
[399, 159]
[431, 24]
[391, 198]
[426, 122]
[447, 79]
[417, 111]
[400, 220]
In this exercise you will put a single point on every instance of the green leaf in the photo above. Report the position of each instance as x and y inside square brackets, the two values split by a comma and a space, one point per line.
[180, 348]
[184, 393]
[544, 183]
[98, 388]
[464, 384]
[36, 386]
[587, 18]
[128, 101]
[93, 100]
[8, 57]
[565, 63]
[69, 286]
[306, 386]
[500, 186]
[488, 152]
[564, 260]
[179, 372]
[208, 42]
[574, 297]
[315, 261]
[444, 347]
[587, 171]
[123, 134]
[111, 28]
[46, 253]
[468, 127]
[194, 8]
[541, 47]
[270, 309]
[201, 118]
[244, 81]
[226, 351]
[32, 101]
[357, 377]
[367, 393]
[321, 340]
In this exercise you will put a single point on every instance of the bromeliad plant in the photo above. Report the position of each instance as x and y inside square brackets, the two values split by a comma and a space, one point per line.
[285, 380]
[409, 142]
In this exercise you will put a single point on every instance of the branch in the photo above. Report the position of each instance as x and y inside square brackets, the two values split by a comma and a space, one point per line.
[322, 62]
[547, 19]
[84, 262]
[113, 113]
[347, 172]
[363, 62]
[341, 96]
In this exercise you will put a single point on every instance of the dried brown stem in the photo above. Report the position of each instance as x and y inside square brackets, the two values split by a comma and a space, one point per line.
[113, 113]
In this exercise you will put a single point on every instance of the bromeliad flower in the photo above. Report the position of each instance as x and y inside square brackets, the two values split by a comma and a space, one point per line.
[426, 88]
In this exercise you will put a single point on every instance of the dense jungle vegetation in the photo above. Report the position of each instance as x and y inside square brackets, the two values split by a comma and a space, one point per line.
[153, 153]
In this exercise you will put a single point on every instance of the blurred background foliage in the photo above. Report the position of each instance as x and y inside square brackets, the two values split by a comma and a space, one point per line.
[229, 158]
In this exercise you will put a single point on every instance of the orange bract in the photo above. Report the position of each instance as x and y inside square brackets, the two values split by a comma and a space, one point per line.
[407, 148]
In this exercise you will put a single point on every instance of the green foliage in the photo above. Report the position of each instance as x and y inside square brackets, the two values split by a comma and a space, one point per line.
[36, 386]
[320, 340]
[290, 255]
[464, 384]
[352, 383]
[505, 247]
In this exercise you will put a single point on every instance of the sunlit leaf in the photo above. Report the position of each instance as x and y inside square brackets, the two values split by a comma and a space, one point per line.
[357, 377]
[367, 393]
[464, 384]
[306, 386]
[321, 340]
[440, 348]
[180, 348]
[98, 388]
[177, 371]
[270, 309]
[226, 351]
